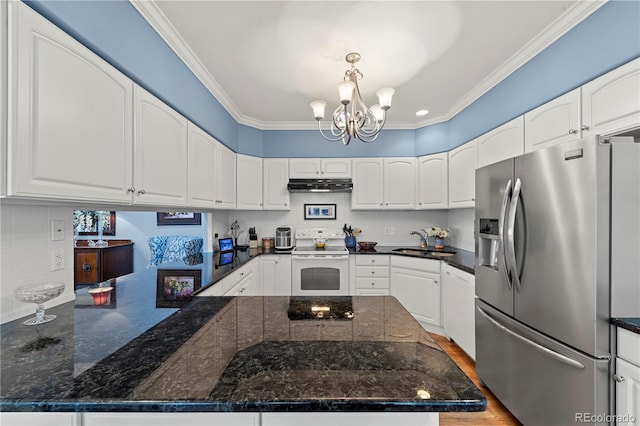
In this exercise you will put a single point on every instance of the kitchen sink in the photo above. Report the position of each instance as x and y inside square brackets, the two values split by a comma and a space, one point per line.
[419, 252]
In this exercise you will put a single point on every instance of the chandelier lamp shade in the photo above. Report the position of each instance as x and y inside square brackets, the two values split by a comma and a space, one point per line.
[353, 119]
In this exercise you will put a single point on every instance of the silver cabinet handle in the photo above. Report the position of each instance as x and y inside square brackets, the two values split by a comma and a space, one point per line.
[572, 131]
[618, 379]
[141, 192]
[584, 127]
[132, 189]
[511, 225]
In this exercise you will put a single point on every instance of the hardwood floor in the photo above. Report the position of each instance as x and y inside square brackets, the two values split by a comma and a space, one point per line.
[495, 415]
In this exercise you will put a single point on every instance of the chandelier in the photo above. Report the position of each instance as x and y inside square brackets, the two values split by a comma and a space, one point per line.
[353, 119]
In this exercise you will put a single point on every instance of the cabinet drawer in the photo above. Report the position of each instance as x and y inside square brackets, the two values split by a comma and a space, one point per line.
[372, 283]
[372, 259]
[87, 270]
[423, 265]
[372, 271]
[629, 346]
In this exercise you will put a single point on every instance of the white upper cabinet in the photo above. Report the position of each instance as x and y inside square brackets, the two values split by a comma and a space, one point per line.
[71, 115]
[462, 175]
[274, 180]
[160, 154]
[225, 182]
[313, 168]
[388, 183]
[368, 184]
[248, 182]
[506, 141]
[555, 122]
[611, 103]
[433, 181]
[201, 172]
[400, 183]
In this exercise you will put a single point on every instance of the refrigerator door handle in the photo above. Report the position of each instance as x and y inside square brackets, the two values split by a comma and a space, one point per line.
[501, 242]
[552, 354]
[511, 225]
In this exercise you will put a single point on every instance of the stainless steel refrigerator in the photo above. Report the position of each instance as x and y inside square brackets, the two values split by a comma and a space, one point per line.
[557, 249]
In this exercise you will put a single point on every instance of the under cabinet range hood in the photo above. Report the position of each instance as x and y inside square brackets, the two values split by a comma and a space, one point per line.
[320, 185]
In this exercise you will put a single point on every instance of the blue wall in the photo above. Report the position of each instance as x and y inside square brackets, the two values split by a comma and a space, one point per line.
[115, 31]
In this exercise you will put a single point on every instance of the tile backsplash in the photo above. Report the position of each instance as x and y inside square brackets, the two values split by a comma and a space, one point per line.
[25, 253]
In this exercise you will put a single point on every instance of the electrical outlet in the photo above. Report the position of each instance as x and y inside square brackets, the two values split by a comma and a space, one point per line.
[57, 230]
[57, 259]
[390, 230]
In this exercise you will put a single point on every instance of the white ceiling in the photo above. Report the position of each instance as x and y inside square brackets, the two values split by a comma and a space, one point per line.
[265, 61]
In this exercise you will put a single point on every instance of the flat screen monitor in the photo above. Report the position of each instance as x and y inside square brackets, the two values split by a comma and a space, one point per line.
[226, 244]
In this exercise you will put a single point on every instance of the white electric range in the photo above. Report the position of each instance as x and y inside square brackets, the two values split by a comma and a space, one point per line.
[320, 271]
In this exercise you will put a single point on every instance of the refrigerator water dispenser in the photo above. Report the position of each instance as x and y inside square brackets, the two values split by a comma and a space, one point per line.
[488, 243]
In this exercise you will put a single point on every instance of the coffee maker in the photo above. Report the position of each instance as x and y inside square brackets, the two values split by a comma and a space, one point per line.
[284, 238]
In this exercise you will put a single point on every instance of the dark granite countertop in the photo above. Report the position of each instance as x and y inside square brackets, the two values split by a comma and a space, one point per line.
[631, 324]
[140, 353]
[461, 259]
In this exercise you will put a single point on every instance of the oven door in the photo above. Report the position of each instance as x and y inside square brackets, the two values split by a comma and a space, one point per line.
[319, 275]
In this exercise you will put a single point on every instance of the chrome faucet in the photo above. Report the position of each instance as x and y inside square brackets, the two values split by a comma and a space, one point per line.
[423, 237]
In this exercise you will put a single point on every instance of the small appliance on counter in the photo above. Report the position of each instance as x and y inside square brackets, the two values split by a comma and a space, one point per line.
[253, 238]
[284, 238]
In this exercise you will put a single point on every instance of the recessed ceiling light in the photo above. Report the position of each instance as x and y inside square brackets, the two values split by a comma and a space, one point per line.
[422, 112]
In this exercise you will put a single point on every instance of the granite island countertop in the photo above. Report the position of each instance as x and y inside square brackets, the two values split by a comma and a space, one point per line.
[227, 354]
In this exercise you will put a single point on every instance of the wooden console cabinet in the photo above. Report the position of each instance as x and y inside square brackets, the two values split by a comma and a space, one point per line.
[96, 264]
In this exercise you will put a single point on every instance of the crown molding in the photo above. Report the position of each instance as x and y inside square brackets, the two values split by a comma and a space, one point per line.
[576, 14]
[158, 21]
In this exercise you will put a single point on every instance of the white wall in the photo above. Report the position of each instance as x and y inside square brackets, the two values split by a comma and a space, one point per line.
[460, 223]
[372, 223]
[25, 254]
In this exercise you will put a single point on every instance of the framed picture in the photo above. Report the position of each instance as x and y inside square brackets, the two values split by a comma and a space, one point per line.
[179, 218]
[176, 286]
[85, 222]
[319, 211]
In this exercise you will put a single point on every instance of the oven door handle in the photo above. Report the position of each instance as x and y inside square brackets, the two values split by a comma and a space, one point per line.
[319, 256]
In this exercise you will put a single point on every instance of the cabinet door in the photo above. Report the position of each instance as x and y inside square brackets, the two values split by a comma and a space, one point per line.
[339, 168]
[418, 290]
[275, 177]
[304, 168]
[87, 266]
[462, 175]
[225, 178]
[612, 102]
[276, 275]
[248, 182]
[555, 122]
[201, 170]
[433, 181]
[627, 391]
[160, 155]
[71, 115]
[400, 183]
[368, 184]
[458, 307]
[504, 142]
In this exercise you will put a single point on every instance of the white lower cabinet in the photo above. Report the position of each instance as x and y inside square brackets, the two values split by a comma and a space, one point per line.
[170, 419]
[243, 282]
[41, 419]
[627, 378]
[350, 419]
[458, 298]
[275, 274]
[416, 284]
[371, 275]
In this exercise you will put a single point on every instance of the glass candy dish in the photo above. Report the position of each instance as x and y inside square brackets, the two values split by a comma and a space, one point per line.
[38, 294]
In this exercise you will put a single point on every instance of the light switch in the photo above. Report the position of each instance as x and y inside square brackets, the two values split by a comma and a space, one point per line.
[57, 230]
